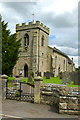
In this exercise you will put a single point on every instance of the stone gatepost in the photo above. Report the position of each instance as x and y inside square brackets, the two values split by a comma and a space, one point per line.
[37, 82]
[3, 78]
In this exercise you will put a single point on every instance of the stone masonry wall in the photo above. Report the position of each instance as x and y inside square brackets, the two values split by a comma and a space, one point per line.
[66, 98]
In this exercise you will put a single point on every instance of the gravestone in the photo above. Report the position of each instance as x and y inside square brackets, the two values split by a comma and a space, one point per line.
[66, 77]
[75, 77]
[60, 75]
[30, 76]
[48, 75]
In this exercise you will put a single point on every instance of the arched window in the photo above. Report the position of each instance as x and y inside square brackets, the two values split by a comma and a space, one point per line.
[64, 65]
[26, 39]
[55, 61]
[42, 40]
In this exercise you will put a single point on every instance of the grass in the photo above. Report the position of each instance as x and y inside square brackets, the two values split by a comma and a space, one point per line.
[26, 80]
[73, 85]
[9, 81]
[54, 80]
[10, 78]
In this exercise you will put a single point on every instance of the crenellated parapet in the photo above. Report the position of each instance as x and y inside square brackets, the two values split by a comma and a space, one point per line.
[32, 25]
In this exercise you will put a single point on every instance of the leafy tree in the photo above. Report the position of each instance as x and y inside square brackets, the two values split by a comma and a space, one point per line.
[77, 68]
[10, 49]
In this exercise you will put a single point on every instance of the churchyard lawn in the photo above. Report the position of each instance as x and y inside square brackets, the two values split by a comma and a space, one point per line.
[53, 80]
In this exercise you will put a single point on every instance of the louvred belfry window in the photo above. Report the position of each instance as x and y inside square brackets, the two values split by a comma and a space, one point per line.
[42, 41]
[26, 40]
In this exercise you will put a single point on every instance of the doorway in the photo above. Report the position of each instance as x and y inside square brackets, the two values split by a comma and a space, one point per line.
[26, 71]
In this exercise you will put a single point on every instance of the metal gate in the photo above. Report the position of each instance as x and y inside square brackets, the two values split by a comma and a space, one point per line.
[21, 91]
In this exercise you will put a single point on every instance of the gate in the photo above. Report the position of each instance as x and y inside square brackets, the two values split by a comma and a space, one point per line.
[21, 91]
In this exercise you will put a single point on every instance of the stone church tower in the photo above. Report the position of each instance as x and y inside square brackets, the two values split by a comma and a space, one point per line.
[36, 55]
[34, 47]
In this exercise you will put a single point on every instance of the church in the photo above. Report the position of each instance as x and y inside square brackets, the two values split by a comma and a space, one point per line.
[35, 53]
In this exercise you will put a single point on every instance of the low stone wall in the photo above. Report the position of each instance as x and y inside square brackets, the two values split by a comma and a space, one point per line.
[66, 98]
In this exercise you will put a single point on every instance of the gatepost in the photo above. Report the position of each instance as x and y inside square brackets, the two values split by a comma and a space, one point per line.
[3, 79]
[37, 82]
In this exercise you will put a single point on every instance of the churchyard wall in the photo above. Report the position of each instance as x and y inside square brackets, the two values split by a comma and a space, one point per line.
[66, 98]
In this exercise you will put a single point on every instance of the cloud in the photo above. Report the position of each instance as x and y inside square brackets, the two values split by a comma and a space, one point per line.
[65, 20]
[67, 50]
[61, 16]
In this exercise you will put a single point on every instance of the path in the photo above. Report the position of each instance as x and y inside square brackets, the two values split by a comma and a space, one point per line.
[31, 110]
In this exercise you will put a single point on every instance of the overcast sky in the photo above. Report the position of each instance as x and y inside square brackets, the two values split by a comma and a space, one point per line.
[61, 16]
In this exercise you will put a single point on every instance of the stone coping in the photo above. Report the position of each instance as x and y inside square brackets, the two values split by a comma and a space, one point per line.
[4, 76]
[51, 84]
[38, 78]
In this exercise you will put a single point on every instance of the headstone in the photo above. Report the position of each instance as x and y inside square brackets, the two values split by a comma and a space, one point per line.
[66, 77]
[30, 76]
[60, 75]
[47, 75]
[76, 77]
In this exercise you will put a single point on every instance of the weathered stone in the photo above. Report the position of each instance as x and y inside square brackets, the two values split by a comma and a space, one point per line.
[71, 112]
[47, 75]
[56, 93]
[48, 89]
[63, 99]
[64, 91]
[66, 78]
[37, 81]
[46, 93]
[3, 79]
[73, 100]
[73, 107]
[4, 76]
[74, 93]
[63, 111]
[66, 103]
[30, 78]
[56, 101]
[63, 106]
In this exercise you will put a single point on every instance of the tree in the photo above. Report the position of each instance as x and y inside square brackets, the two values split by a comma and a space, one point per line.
[10, 49]
[77, 69]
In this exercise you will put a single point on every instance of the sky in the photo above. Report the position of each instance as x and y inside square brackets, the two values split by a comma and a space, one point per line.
[61, 16]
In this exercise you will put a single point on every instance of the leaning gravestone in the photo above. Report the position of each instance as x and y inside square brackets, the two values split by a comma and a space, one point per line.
[47, 75]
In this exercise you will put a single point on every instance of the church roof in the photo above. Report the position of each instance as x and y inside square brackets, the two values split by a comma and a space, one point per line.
[58, 51]
[62, 53]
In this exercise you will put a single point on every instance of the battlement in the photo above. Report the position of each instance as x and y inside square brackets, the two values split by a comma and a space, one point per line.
[32, 25]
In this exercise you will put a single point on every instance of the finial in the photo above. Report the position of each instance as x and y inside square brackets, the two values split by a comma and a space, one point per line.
[33, 17]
